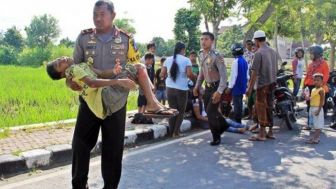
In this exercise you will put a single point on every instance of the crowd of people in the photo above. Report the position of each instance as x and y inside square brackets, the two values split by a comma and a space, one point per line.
[253, 76]
[106, 66]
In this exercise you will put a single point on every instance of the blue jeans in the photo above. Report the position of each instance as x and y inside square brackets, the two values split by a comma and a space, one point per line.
[297, 83]
[234, 126]
[238, 107]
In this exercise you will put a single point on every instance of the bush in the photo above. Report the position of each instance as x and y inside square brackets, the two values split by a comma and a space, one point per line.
[61, 50]
[34, 56]
[8, 55]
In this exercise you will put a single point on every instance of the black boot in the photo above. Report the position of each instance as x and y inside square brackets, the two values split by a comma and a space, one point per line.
[333, 126]
[215, 142]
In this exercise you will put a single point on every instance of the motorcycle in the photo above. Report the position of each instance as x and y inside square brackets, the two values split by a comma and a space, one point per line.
[330, 101]
[284, 98]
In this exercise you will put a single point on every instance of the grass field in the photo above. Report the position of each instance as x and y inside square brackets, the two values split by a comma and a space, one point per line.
[28, 96]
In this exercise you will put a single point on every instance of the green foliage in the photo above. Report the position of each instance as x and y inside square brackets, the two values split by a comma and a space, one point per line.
[67, 42]
[125, 24]
[225, 40]
[13, 38]
[186, 28]
[61, 50]
[213, 11]
[28, 95]
[142, 48]
[8, 55]
[42, 31]
[163, 48]
[34, 56]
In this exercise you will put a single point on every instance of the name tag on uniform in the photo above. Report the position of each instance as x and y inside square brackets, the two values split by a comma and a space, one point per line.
[118, 46]
[90, 47]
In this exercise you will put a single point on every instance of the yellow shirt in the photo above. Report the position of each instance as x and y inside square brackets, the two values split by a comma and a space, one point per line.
[92, 96]
[315, 97]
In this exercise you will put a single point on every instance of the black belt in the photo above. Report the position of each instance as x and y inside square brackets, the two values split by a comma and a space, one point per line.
[212, 84]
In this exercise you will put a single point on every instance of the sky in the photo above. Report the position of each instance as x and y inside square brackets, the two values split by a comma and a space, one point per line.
[151, 17]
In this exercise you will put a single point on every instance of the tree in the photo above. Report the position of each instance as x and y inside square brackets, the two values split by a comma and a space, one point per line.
[187, 28]
[328, 23]
[213, 11]
[225, 40]
[253, 9]
[160, 45]
[42, 31]
[125, 24]
[8, 55]
[164, 48]
[13, 38]
[67, 42]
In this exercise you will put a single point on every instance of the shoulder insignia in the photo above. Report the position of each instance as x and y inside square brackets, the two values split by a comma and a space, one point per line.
[87, 31]
[125, 33]
[216, 52]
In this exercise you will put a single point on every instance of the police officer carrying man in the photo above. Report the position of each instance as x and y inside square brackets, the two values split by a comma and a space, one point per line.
[213, 71]
[108, 46]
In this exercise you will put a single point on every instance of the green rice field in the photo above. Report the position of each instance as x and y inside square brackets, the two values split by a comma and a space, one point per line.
[28, 96]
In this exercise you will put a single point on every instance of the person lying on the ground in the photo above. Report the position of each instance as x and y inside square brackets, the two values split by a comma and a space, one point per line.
[97, 88]
[235, 127]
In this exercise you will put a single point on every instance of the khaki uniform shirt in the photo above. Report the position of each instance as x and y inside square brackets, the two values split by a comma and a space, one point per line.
[213, 69]
[105, 52]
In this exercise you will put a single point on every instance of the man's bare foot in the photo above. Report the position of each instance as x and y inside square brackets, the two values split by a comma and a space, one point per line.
[254, 127]
[241, 130]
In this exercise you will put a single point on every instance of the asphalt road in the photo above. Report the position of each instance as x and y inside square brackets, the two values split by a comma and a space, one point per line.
[190, 162]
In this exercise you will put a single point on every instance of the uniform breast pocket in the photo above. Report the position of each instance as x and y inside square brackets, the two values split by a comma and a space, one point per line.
[118, 53]
[90, 51]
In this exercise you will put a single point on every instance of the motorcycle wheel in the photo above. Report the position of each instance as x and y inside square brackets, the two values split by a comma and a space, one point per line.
[288, 121]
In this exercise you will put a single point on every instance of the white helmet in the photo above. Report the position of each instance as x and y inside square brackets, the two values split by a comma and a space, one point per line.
[259, 34]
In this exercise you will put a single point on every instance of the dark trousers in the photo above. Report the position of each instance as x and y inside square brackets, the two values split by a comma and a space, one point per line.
[217, 123]
[85, 138]
[238, 107]
[308, 101]
[177, 99]
[297, 83]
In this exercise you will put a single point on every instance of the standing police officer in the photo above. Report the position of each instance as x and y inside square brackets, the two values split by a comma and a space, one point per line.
[213, 71]
[107, 45]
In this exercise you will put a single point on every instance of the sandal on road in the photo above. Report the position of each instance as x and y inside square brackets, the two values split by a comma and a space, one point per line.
[256, 138]
[160, 113]
[312, 141]
[270, 137]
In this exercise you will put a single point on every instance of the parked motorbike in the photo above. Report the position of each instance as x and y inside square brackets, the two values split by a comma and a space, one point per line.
[284, 98]
[330, 101]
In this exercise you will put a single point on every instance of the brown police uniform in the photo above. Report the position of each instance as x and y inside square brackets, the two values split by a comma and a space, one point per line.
[105, 49]
[213, 71]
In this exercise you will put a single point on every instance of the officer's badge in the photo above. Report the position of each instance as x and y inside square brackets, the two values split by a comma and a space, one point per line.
[90, 61]
[92, 41]
[118, 39]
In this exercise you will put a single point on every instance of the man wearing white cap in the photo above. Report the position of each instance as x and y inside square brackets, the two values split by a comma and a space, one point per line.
[264, 70]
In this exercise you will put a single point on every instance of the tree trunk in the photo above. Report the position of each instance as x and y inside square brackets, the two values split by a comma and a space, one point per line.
[275, 34]
[302, 33]
[215, 31]
[332, 55]
[260, 21]
[206, 22]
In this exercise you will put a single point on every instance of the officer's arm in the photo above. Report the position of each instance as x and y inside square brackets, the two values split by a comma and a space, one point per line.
[78, 54]
[96, 83]
[222, 72]
[133, 55]
[105, 74]
[200, 78]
